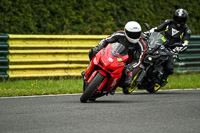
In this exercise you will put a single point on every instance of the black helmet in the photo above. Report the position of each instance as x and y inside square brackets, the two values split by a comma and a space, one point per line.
[180, 16]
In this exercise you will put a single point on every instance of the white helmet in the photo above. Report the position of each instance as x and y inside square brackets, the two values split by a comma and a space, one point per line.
[133, 31]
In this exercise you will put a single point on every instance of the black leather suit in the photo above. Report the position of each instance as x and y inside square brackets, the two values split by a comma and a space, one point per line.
[174, 34]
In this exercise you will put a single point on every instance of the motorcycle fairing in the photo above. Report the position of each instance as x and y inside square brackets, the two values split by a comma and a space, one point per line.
[109, 63]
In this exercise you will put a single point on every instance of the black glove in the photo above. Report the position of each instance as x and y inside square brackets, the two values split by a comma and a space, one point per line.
[147, 33]
[94, 51]
[98, 48]
[174, 53]
[128, 68]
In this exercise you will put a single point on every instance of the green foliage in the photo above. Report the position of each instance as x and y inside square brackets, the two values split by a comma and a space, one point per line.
[89, 16]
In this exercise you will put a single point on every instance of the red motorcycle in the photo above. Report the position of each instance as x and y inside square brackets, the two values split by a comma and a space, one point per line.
[104, 72]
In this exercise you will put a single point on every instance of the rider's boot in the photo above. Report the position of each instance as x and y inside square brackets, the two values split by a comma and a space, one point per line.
[84, 80]
[83, 73]
[127, 81]
[112, 92]
[163, 81]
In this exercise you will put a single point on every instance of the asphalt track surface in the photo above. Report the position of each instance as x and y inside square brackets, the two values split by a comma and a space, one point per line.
[176, 111]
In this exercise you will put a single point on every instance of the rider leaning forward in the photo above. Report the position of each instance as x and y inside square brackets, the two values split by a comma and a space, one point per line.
[176, 31]
[132, 40]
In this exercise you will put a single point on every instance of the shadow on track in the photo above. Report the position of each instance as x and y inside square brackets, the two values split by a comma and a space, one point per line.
[158, 93]
[110, 101]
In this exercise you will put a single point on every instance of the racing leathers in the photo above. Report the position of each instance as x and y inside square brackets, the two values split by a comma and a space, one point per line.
[135, 51]
[173, 34]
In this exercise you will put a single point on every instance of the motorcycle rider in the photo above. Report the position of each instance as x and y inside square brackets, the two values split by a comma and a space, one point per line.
[176, 31]
[132, 40]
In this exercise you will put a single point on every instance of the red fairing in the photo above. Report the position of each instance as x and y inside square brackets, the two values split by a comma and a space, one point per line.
[93, 62]
[89, 69]
[111, 84]
[110, 64]
[92, 76]
[102, 84]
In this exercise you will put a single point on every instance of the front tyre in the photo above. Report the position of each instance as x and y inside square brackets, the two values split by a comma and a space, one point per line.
[94, 84]
[135, 74]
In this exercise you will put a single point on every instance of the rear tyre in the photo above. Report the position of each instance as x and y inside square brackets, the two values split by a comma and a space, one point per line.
[87, 94]
[154, 89]
[127, 90]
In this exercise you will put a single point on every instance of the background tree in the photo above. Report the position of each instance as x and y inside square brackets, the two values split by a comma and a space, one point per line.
[89, 16]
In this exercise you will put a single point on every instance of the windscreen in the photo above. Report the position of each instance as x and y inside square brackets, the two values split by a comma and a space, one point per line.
[118, 48]
[155, 39]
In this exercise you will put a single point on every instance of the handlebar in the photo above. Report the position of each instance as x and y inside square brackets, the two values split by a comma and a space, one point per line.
[176, 45]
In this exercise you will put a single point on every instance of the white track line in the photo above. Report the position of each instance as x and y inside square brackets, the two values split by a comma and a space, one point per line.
[76, 94]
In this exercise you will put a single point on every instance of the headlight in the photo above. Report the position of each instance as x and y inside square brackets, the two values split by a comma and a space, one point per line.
[150, 58]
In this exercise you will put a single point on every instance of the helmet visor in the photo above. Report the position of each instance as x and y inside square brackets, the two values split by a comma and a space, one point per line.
[179, 19]
[133, 35]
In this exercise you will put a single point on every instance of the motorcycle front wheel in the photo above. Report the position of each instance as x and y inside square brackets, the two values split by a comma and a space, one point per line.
[89, 91]
[129, 90]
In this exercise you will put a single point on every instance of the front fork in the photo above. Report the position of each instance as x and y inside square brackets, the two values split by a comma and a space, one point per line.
[87, 81]
[85, 84]
[160, 73]
[143, 73]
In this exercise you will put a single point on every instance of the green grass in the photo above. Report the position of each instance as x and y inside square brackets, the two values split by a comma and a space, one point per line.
[74, 85]
[183, 81]
[40, 87]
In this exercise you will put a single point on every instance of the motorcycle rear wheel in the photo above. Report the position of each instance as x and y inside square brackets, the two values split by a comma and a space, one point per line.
[89, 91]
[154, 89]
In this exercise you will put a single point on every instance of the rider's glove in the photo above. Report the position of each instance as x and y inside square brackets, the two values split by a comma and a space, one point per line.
[175, 52]
[152, 30]
[177, 49]
[184, 46]
[128, 68]
[97, 48]
[146, 34]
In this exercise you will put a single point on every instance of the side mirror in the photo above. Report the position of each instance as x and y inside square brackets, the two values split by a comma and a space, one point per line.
[147, 26]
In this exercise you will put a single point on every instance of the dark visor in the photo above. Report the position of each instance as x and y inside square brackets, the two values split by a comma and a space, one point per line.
[133, 35]
[180, 19]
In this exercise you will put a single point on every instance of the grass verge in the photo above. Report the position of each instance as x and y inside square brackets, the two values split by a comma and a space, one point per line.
[74, 85]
